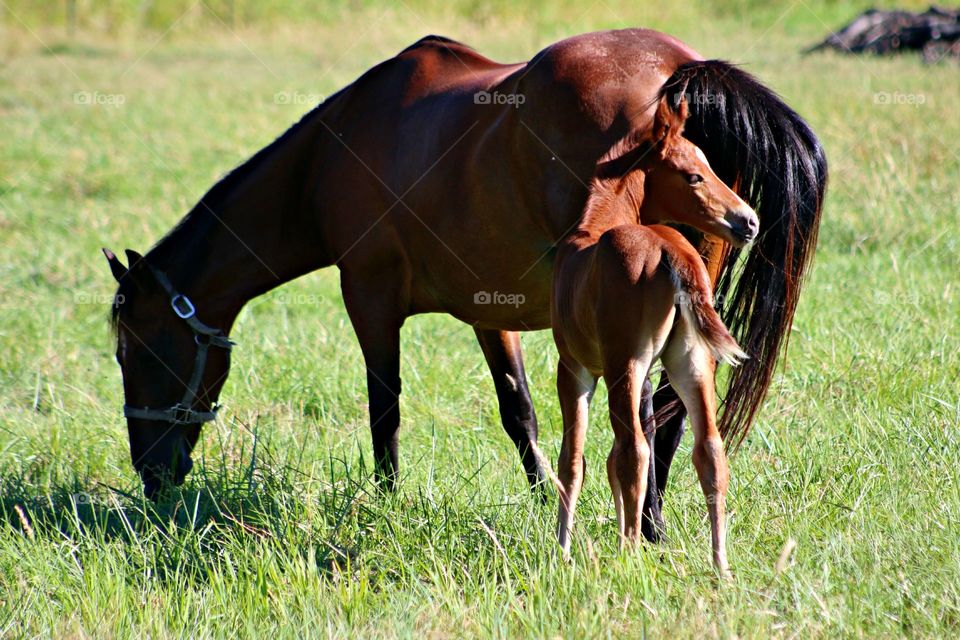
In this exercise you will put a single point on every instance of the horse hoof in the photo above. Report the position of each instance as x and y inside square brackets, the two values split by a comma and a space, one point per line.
[654, 532]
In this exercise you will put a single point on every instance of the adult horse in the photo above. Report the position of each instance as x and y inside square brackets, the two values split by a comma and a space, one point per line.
[441, 181]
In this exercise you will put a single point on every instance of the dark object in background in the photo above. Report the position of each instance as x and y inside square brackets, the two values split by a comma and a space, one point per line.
[935, 33]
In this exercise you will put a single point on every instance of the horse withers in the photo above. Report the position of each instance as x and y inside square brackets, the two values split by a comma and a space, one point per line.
[626, 294]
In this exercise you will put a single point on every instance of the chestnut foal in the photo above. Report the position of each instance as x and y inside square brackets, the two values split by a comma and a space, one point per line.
[625, 295]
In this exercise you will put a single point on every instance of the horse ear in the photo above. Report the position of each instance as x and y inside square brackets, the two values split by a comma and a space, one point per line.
[134, 258]
[116, 267]
[139, 271]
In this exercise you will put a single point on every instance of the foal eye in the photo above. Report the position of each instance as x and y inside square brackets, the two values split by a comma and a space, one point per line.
[694, 178]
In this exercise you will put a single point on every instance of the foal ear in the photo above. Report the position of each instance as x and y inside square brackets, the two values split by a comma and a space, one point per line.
[116, 267]
[684, 112]
[669, 119]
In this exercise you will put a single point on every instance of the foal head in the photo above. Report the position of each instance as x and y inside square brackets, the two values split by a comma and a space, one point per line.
[679, 185]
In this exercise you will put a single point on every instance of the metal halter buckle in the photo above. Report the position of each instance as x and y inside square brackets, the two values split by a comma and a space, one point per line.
[190, 309]
[181, 414]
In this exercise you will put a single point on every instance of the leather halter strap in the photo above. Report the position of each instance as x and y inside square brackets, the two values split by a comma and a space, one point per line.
[205, 337]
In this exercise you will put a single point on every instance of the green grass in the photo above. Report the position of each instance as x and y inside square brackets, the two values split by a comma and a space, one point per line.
[855, 455]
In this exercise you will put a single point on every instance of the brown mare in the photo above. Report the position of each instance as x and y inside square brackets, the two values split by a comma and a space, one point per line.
[427, 181]
[617, 288]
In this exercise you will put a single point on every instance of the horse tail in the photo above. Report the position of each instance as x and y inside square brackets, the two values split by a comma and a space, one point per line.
[691, 285]
[758, 144]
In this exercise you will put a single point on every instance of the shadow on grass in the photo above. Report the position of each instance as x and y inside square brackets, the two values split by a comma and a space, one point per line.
[191, 529]
[243, 506]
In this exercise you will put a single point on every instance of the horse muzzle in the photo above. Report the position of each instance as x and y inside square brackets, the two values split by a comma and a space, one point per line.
[161, 476]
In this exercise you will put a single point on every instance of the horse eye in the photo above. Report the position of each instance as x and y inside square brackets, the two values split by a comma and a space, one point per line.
[694, 178]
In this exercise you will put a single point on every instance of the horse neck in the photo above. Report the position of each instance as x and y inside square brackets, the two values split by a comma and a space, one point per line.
[251, 232]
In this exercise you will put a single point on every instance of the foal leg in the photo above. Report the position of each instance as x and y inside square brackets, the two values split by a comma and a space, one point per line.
[505, 359]
[575, 386]
[629, 458]
[670, 431]
[692, 375]
[377, 323]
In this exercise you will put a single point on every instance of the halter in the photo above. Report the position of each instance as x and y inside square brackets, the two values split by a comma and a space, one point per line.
[205, 337]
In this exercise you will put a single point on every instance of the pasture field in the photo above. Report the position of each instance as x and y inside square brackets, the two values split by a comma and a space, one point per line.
[108, 136]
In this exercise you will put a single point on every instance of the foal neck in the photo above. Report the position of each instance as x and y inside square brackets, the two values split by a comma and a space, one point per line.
[613, 201]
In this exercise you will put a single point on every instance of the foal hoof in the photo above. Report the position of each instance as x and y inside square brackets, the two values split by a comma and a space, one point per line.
[724, 575]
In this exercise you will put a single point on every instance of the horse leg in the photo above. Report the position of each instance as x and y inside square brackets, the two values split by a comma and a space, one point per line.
[663, 446]
[377, 324]
[651, 525]
[504, 357]
[627, 465]
[669, 434]
[691, 372]
[575, 386]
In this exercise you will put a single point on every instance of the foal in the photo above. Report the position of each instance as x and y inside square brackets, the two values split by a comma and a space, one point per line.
[625, 295]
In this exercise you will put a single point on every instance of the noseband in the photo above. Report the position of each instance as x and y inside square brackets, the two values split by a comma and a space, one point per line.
[205, 337]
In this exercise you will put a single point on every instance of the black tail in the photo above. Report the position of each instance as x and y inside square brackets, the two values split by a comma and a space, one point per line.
[762, 148]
